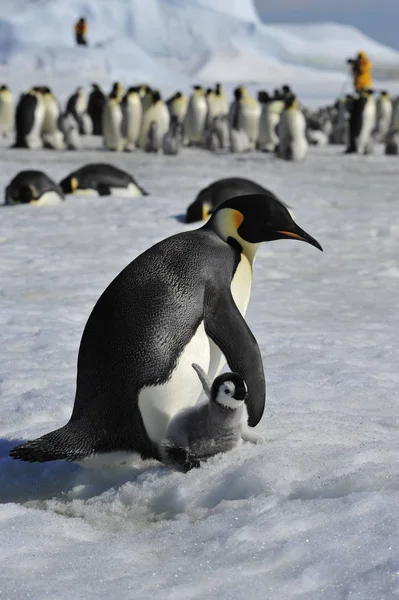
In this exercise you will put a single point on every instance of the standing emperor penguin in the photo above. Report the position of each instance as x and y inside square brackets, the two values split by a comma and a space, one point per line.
[177, 106]
[77, 106]
[29, 119]
[113, 119]
[95, 107]
[194, 123]
[155, 124]
[145, 93]
[272, 107]
[362, 123]
[395, 114]
[133, 117]
[340, 123]
[7, 111]
[293, 144]
[245, 111]
[53, 137]
[181, 302]
[384, 116]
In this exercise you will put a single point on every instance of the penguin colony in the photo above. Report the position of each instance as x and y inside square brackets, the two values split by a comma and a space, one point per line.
[139, 118]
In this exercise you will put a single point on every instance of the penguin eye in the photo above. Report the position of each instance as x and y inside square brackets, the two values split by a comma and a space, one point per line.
[226, 391]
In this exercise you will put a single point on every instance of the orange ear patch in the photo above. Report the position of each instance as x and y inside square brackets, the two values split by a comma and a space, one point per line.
[237, 218]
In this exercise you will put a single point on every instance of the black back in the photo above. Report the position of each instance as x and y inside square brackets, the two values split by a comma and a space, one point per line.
[24, 118]
[96, 176]
[95, 107]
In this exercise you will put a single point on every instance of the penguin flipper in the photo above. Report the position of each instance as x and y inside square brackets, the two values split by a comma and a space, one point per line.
[206, 382]
[227, 328]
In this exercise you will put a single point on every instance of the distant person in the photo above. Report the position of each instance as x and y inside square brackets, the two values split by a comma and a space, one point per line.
[361, 71]
[81, 32]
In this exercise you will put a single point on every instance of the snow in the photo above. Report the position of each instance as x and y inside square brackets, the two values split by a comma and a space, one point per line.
[312, 513]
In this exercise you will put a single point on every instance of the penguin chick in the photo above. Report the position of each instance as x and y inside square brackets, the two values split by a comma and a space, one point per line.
[209, 427]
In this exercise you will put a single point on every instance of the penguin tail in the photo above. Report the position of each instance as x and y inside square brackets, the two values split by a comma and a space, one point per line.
[143, 191]
[67, 443]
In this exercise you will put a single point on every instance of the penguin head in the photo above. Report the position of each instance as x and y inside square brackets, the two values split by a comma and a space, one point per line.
[263, 97]
[246, 221]
[69, 185]
[229, 391]
[218, 89]
[3, 88]
[239, 92]
[290, 101]
[27, 193]
[155, 96]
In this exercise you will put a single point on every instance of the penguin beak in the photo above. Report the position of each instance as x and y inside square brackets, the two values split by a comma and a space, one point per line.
[300, 234]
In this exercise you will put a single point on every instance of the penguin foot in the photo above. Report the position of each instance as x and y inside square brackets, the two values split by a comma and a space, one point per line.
[179, 458]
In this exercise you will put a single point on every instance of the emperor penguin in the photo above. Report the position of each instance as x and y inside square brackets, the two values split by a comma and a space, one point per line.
[29, 119]
[210, 427]
[340, 122]
[33, 187]
[293, 144]
[362, 123]
[392, 142]
[384, 116]
[272, 107]
[213, 195]
[173, 139]
[70, 130]
[95, 107]
[194, 122]
[177, 106]
[245, 112]
[53, 137]
[217, 102]
[113, 119]
[133, 117]
[395, 114]
[77, 106]
[180, 302]
[7, 111]
[101, 179]
[145, 92]
[155, 124]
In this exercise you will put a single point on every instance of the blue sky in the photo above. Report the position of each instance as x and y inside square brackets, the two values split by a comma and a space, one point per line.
[376, 18]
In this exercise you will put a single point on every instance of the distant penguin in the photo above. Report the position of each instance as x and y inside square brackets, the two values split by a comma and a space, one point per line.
[155, 124]
[245, 112]
[340, 123]
[133, 117]
[7, 111]
[293, 144]
[392, 142]
[145, 93]
[53, 137]
[29, 119]
[272, 107]
[181, 301]
[217, 103]
[95, 107]
[70, 130]
[395, 114]
[101, 179]
[384, 116]
[210, 427]
[212, 196]
[77, 106]
[177, 106]
[173, 139]
[217, 134]
[194, 123]
[362, 123]
[33, 187]
[113, 119]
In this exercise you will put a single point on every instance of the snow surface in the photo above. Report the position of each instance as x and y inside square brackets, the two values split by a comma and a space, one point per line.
[313, 513]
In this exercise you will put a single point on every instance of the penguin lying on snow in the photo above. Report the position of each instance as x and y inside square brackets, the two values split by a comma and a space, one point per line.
[208, 428]
[97, 179]
[219, 191]
[33, 187]
[181, 301]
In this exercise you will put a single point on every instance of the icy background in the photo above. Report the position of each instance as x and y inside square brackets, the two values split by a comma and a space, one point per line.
[314, 512]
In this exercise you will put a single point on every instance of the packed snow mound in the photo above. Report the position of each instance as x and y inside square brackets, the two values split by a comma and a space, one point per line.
[172, 39]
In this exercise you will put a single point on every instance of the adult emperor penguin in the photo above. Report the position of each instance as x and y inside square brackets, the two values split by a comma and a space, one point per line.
[113, 119]
[194, 123]
[182, 301]
[384, 116]
[177, 105]
[53, 137]
[272, 107]
[33, 187]
[95, 107]
[77, 106]
[362, 123]
[7, 111]
[29, 120]
[245, 114]
[210, 427]
[155, 124]
[133, 117]
[293, 144]
[212, 196]
[101, 179]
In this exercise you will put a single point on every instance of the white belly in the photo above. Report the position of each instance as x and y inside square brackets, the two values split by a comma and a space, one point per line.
[159, 404]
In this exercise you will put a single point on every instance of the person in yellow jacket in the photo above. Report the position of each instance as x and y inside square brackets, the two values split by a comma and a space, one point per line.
[361, 70]
[81, 32]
